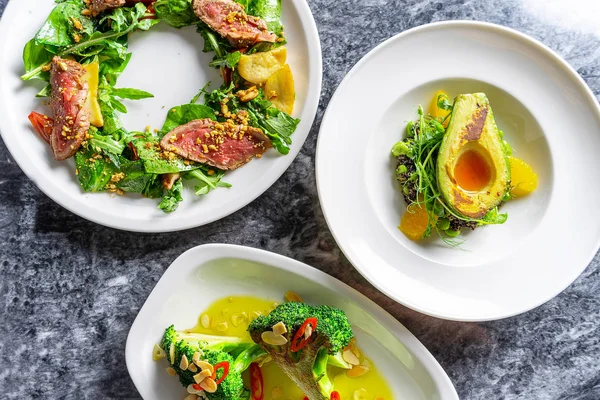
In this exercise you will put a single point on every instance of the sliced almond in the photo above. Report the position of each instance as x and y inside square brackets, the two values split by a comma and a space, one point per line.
[196, 356]
[209, 385]
[172, 353]
[184, 364]
[275, 305]
[202, 375]
[221, 327]
[274, 340]
[292, 296]
[192, 367]
[276, 393]
[171, 371]
[203, 365]
[356, 371]
[350, 357]
[205, 321]
[308, 331]
[239, 318]
[158, 353]
[254, 315]
[279, 328]
[191, 397]
[360, 394]
[192, 390]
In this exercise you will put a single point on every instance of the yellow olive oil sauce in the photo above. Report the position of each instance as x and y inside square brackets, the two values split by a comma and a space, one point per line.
[231, 316]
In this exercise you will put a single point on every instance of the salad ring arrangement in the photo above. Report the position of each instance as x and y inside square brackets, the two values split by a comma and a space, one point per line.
[82, 49]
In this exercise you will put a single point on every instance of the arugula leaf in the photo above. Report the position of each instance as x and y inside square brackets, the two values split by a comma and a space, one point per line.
[177, 13]
[64, 26]
[171, 198]
[106, 143]
[230, 60]
[34, 57]
[183, 114]
[93, 171]
[494, 217]
[208, 181]
[149, 152]
[269, 10]
[132, 94]
[108, 40]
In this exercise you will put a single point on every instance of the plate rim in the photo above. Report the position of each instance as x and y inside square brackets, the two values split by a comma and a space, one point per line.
[208, 252]
[315, 76]
[499, 29]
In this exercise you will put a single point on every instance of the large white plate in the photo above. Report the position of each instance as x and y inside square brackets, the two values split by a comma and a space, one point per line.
[170, 64]
[210, 272]
[548, 114]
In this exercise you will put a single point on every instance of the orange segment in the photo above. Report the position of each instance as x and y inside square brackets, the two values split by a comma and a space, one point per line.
[523, 179]
[414, 222]
[435, 111]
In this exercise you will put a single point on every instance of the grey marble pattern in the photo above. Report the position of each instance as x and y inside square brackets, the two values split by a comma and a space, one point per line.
[70, 289]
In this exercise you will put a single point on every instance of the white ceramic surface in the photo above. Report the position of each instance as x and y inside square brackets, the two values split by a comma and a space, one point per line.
[162, 49]
[549, 116]
[210, 272]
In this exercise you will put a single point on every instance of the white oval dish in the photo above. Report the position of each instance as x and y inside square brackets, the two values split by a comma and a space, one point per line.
[210, 272]
[180, 53]
[548, 114]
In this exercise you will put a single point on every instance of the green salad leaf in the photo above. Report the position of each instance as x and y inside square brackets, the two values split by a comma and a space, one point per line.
[183, 114]
[177, 13]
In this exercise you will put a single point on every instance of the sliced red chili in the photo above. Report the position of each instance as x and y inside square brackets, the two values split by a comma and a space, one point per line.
[42, 124]
[256, 382]
[197, 387]
[299, 341]
[224, 365]
[335, 396]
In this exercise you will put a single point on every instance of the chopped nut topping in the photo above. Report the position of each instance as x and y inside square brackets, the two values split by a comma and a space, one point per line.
[172, 353]
[356, 371]
[209, 385]
[292, 296]
[203, 365]
[274, 340]
[279, 328]
[198, 378]
[205, 321]
[308, 331]
[184, 364]
[158, 353]
[222, 327]
[350, 357]
[192, 367]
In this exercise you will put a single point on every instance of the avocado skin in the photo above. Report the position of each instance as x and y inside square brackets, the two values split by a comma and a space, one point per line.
[472, 127]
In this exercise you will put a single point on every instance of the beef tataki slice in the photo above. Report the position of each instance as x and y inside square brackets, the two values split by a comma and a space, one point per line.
[229, 20]
[71, 118]
[99, 6]
[221, 145]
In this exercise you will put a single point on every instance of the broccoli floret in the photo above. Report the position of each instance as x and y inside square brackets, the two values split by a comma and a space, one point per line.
[239, 353]
[307, 367]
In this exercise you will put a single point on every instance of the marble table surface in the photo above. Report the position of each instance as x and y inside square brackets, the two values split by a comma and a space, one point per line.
[70, 289]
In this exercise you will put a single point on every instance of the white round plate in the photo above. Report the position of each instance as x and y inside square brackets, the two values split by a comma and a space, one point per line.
[215, 271]
[162, 49]
[549, 116]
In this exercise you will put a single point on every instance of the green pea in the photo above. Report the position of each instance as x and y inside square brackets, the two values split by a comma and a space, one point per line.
[443, 224]
[501, 134]
[409, 129]
[438, 209]
[405, 190]
[452, 233]
[401, 169]
[400, 149]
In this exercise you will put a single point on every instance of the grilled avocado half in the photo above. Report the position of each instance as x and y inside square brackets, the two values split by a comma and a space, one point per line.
[472, 166]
